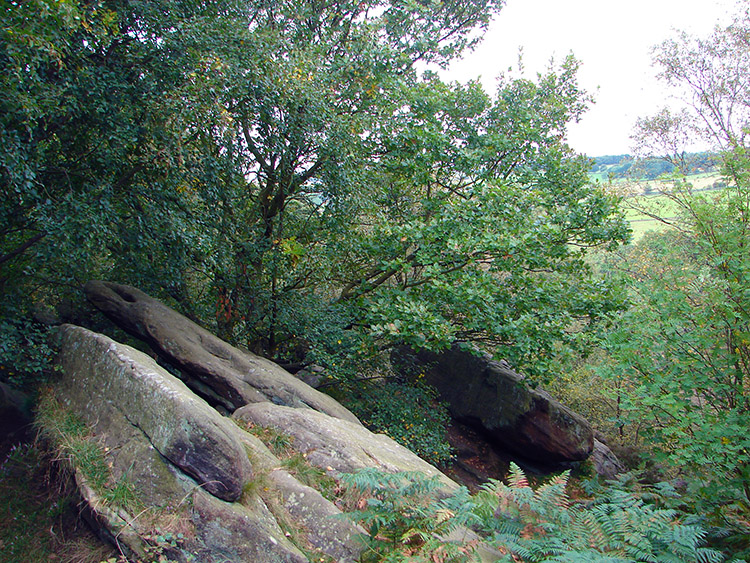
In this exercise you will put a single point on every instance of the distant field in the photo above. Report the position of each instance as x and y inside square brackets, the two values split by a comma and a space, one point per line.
[642, 198]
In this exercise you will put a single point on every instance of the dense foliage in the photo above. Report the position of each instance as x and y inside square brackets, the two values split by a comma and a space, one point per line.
[408, 519]
[289, 175]
[410, 413]
[678, 360]
[284, 173]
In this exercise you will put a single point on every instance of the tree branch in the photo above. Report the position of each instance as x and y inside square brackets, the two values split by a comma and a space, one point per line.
[22, 247]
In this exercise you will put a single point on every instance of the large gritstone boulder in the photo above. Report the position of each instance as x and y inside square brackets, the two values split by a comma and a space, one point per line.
[487, 395]
[192, 474]
[179, 425]
[227, 375]
[338, 445]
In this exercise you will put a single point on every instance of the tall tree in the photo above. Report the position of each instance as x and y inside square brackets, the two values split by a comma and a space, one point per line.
[481, 222]
[284, 169]
[303, 92]
[686, 343]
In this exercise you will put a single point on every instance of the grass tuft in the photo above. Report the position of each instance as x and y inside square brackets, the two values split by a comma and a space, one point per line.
[73, 444]
[39, 516]
[312, 476]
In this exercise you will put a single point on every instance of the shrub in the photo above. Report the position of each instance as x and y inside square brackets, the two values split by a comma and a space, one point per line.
[25, 351]
[407, 412]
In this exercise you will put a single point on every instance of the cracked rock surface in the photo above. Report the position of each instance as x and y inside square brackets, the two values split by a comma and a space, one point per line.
[188, 465]
[227, 375]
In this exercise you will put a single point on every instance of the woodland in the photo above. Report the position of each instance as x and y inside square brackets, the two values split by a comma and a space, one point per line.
[297, 178]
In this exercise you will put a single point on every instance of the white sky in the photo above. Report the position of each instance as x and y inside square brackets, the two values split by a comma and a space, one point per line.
[611, 38]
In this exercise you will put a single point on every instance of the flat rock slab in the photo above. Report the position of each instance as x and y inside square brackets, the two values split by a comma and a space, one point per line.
[338, 445]
[182, 427]
[487, 395]
[231, 376]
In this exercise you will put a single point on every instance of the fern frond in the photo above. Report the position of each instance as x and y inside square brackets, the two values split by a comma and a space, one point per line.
[406, 523]
[517, 478]
[707, 555]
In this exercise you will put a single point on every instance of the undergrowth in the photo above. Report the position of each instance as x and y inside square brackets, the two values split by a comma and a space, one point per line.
[39, 514]
[407, 411]
[73, 444]
[405, 519]
[515, 522]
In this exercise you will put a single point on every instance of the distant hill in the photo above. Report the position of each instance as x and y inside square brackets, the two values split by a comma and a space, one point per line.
[626, 166]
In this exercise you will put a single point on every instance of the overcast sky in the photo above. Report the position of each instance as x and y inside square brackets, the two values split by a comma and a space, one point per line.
[613, 41]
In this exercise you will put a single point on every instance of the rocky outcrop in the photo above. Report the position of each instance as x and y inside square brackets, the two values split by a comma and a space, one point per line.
[195, 474]
[338, 445]
[201, 476]
[180, 426]
[228, 376]
[188, 467]
[492, 398]
[475, 460]
[604, 461]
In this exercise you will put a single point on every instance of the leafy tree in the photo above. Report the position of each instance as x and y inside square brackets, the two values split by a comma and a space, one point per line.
[284, 172]
[141, 174]
[685, 344]
[480, 234]
[676, 347]
[359, 175]
[302, 92]
[91, 169]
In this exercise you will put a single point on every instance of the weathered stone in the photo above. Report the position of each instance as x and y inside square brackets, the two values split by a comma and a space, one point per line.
[319, 518]
[234, 532]
[605, 461]
[489, 396]
[234, 377]
[338, 445]
[133, 457]
[182, 427]
[115, 525]
[115, 390]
